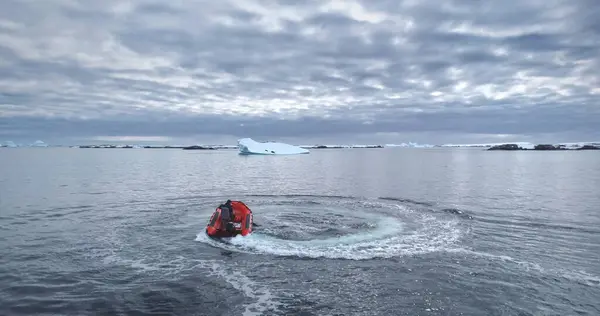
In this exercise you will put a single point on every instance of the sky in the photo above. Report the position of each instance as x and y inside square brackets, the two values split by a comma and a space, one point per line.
[305, 72]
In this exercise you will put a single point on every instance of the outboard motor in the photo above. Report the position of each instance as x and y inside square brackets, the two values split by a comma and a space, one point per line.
[229, 227]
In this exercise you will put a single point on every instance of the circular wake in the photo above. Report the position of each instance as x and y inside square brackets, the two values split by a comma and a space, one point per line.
[341, 228]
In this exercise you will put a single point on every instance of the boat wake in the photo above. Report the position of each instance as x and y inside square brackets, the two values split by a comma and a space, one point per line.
[342, 228]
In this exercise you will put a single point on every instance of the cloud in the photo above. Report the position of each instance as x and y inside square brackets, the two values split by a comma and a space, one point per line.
[311, 69]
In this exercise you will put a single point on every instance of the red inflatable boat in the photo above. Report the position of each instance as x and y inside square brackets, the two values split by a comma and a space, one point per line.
[229, 220]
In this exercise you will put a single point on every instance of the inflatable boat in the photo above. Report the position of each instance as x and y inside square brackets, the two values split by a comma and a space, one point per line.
[229, 220]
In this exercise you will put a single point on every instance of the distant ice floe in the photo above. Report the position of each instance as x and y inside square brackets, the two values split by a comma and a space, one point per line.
[39, 143]
[248, 146]
[410, 144]
[11, 144]
[521, 144]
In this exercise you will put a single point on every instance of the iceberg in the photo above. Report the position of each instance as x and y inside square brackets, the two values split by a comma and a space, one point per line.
[248, 146]
[38, 143]
[10, 144]
[410, 145]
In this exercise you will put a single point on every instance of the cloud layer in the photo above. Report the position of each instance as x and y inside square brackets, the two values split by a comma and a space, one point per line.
[299, 69]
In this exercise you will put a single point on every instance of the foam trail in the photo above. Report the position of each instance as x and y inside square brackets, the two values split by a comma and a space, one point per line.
[383, 242]
[263, 299]
[262, 296]
[351, 229]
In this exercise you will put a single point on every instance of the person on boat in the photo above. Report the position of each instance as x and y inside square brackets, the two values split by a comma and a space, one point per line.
[227, 215]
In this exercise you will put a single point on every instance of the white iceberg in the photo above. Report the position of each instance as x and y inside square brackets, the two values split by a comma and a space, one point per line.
[248, 146]
[410, 145]
[38, 143]
[10, 144]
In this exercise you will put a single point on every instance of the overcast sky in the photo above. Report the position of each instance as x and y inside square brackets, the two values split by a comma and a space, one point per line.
[377, 71]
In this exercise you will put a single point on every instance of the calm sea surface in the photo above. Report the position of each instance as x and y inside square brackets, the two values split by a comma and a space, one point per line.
[342, 232]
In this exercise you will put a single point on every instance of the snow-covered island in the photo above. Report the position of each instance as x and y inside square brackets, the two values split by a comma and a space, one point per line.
[530, 146]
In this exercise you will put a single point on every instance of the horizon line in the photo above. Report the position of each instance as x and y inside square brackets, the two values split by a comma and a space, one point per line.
[10, 144]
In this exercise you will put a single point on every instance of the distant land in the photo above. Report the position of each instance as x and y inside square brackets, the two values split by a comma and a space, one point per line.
[592, 146]
[215, 147]
[40, 143]
[487, 146]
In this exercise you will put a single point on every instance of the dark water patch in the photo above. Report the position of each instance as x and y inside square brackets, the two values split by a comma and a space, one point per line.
[406, 200]
[31, 256]
[29, 306]
[35, 292]
[539, 225]
[456, 211]
[219, 197]
[543, 273]
[57, 212]
[194, 197]
[296, 304]
[101, 193]
[18, 223]
[295, 202]
[428, 207]
[67, 208]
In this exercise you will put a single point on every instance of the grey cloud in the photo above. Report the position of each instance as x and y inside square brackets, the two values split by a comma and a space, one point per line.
[298, 69]
[496, 121]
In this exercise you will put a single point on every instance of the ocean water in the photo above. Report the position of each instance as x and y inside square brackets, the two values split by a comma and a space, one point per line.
[442, 231]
